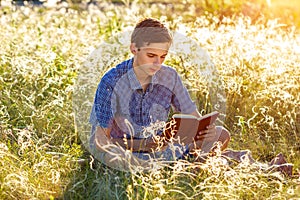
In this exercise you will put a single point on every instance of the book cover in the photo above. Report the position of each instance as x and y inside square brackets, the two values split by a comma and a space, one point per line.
[184, 128]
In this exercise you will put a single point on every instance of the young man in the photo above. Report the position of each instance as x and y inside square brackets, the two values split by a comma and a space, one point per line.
[141, 91]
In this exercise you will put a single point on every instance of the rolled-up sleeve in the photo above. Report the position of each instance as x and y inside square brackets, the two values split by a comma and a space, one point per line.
[181, 100]
[101, 114]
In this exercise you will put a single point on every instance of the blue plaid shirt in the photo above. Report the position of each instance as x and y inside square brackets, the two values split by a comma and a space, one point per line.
[120, 98]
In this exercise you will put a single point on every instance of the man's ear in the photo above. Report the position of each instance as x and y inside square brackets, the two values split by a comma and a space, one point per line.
[133, 48]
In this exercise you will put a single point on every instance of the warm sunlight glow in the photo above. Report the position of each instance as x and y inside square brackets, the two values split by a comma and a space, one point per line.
[248, 66]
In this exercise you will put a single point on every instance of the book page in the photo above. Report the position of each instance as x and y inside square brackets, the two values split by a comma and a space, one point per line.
[184, 116]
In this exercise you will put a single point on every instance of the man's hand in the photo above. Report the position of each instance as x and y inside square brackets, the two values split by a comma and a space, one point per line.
[155, 144]
[208, 134]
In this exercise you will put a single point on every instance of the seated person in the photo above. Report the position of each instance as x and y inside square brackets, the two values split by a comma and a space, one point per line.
[141, 91]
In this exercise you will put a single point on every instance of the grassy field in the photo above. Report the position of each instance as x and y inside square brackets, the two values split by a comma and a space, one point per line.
[42, 52]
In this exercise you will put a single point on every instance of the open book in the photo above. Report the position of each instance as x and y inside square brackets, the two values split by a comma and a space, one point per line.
[185, 127]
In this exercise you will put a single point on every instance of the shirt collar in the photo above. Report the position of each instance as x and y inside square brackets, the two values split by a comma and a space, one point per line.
[133, 81]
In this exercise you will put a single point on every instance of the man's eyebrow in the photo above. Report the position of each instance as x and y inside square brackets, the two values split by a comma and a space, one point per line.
[156, 54]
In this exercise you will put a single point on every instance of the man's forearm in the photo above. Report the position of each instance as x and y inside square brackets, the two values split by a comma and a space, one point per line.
[143, 144]
[135, 145]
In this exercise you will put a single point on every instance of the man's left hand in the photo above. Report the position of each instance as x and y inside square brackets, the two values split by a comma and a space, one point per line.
[208, 134]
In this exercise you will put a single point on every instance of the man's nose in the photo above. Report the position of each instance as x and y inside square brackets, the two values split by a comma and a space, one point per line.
[157, 61]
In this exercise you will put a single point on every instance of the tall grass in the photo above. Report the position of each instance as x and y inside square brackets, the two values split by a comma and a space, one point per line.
[42, 52]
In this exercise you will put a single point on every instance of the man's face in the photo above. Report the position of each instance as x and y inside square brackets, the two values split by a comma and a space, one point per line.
[148, 59]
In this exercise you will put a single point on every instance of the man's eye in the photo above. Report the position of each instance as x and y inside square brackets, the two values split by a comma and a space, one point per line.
[150, 56]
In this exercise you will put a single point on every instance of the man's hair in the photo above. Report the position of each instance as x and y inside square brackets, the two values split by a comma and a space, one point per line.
[150, 31]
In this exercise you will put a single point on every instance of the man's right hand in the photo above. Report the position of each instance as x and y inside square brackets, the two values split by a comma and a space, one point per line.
[153, 144]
